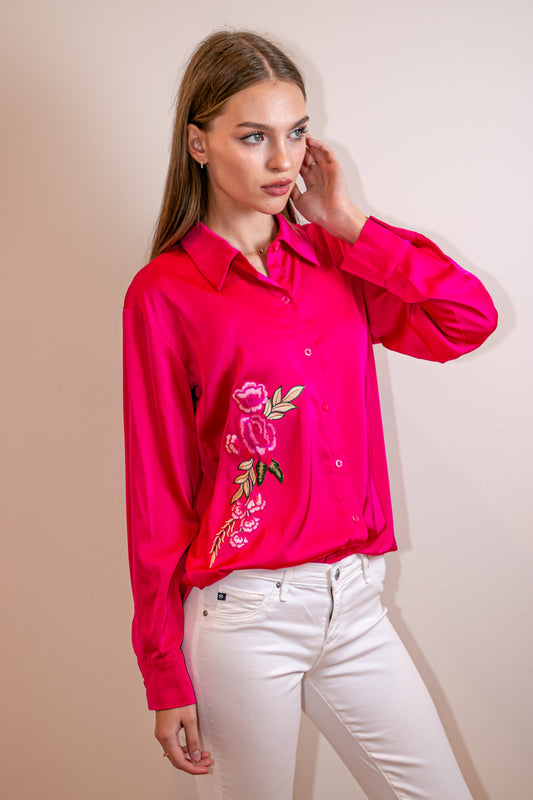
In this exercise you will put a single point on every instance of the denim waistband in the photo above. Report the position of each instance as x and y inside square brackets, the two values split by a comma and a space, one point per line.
[312, 573]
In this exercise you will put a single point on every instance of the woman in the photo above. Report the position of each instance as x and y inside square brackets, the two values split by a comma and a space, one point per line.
[257, 490]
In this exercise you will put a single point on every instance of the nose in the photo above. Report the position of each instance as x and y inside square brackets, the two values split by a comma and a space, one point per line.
[279, 159]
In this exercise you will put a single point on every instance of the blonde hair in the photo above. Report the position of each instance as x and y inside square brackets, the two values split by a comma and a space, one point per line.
[222, 65]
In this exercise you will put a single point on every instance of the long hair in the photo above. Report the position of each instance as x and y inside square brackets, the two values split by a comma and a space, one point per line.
[222, 65]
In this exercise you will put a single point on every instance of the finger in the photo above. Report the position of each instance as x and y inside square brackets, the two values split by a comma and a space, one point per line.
[320, 150]
[205, 755]
[310, 163]
[310, 158]
[181, 760]
[192, 739]
[178, 754]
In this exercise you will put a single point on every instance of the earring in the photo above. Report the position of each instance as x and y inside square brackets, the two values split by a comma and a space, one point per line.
[201, 164]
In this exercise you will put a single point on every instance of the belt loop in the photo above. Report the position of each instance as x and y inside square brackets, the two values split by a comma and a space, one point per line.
[366, 571]
[286, 582]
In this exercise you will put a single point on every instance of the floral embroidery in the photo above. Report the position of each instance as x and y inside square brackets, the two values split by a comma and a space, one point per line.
[258, 434]
[256, 439]
[232, 444]
[252, 396]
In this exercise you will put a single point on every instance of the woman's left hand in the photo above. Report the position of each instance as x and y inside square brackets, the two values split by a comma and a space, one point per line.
[326, 200]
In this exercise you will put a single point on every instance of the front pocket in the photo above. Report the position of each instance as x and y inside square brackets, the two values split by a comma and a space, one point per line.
[235, 602]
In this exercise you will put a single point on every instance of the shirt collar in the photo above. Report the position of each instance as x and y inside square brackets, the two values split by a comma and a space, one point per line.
[213, 255]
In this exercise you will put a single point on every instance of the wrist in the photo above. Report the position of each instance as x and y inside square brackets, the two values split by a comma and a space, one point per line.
[351, 224]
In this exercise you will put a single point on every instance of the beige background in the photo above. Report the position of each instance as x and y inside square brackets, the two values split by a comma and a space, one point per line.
[429, 107]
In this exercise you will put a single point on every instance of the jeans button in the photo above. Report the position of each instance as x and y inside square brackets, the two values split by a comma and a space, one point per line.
[337, 574]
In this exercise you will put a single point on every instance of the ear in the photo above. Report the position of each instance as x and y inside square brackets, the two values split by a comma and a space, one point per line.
[196, 143]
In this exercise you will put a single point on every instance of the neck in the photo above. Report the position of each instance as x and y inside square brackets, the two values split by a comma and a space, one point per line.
[250, 234]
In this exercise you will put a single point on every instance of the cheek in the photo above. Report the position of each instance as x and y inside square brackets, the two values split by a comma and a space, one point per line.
[239, 166]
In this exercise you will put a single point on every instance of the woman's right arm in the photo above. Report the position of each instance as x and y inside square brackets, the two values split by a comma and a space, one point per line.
[162, 473]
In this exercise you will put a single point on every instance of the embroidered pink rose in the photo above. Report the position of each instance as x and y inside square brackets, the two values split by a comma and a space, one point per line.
[255, 503]
[250, 524]
[257, 434]
[237, 539]
[238, 511]
[251, 397]
[232, 444]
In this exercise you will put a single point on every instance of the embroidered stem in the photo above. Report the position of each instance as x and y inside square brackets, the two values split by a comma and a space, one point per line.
[219, 538]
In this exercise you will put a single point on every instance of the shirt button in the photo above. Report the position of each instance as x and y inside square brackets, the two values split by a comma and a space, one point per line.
[325, 407]
[285, 299]
[308, 351]
[355, 518]
[338, 463]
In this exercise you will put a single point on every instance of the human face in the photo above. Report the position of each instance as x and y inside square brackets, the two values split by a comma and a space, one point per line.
[253, 150]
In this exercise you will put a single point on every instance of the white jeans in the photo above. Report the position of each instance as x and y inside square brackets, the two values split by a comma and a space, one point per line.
[260, 645]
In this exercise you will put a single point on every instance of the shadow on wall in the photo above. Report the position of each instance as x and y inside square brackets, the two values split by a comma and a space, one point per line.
[309, 744]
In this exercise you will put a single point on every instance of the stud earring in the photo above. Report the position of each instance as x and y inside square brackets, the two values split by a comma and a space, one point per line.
[201, 164]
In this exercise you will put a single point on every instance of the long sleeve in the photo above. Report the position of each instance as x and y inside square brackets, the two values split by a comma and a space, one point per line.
[418, 300]
[162, 470]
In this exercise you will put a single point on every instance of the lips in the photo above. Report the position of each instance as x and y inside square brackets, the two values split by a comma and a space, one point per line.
[277, 189]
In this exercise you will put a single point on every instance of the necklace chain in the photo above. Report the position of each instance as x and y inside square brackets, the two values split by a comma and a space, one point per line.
[254, 252]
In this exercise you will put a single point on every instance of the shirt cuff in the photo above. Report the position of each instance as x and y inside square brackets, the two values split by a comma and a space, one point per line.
[376, 253]
[167, 683]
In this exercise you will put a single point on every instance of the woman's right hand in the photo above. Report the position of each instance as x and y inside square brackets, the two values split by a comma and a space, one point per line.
[190, 757]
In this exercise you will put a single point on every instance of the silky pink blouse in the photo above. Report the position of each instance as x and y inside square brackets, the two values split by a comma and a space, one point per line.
[252, 423]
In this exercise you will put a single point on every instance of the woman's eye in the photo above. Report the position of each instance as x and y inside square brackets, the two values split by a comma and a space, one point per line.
[253, 138]
[298, 133]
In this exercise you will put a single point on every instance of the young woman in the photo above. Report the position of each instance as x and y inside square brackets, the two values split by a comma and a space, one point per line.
[257, 491]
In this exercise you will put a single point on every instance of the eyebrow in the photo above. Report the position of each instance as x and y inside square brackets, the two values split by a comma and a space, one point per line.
[260, 127]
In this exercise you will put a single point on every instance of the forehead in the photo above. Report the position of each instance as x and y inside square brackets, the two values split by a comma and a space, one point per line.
[268, 102]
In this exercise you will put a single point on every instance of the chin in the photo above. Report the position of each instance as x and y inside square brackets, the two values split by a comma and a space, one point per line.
[276, 207]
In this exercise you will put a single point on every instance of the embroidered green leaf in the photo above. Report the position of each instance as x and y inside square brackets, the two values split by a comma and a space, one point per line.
[275, 415]
[282, 408]
[275, 469]
[261, 469]
[236, 496]
[276, 398]
[293, 393]
[268, 407]
[246, 464]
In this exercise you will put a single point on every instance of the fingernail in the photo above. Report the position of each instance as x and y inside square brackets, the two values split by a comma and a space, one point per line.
[196, 755]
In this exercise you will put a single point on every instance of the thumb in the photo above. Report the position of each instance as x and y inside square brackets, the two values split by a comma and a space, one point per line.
[193, 741]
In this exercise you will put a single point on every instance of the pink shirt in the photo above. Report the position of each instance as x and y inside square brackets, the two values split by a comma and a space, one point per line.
[251, 411]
